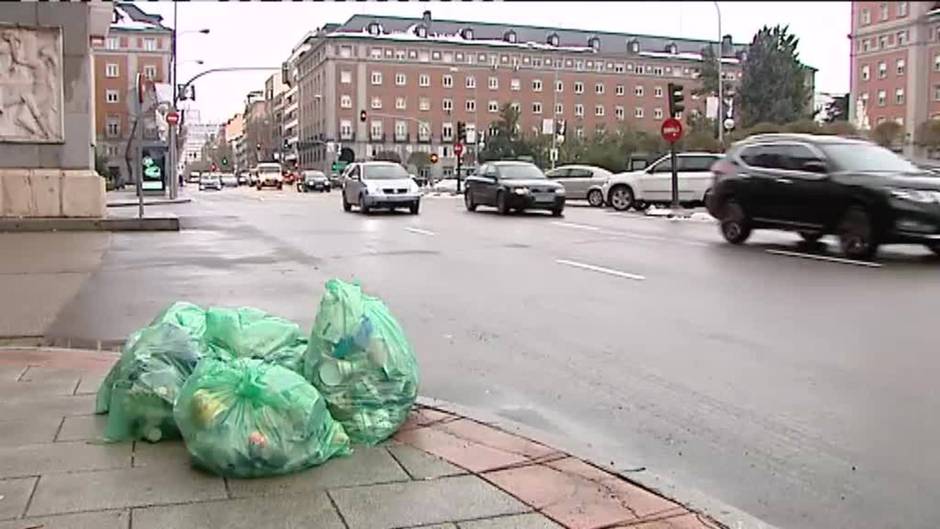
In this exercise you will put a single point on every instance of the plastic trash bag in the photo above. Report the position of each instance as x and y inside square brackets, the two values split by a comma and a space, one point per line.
[250, 418]
[252, 333]
[362, 363]
[139, 392]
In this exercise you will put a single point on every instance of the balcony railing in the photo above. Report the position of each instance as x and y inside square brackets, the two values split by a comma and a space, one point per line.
[377, 137]
[402, 138]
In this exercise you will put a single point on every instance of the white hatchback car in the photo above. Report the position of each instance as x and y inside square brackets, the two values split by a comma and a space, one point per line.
[653, 185]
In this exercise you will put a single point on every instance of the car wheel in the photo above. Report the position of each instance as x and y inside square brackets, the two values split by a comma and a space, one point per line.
[502, 205]
[595, 198]
[280, 186]
[641, 205]
[468, 201]
[558, 212]
[935, 248]
[363, 207]
[346, 205]
[856, 234]
[415, 207]
[735, 226]
[811, 236]
[621, 197]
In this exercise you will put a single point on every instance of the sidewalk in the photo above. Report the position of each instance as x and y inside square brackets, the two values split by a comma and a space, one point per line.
[441, 471]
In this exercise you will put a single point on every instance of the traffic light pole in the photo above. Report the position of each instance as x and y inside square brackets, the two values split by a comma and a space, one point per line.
[675, 176]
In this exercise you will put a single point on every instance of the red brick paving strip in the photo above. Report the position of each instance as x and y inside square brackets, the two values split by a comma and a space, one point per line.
[461, 452]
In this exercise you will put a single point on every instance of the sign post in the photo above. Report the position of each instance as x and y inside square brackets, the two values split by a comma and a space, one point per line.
[671, 131]
[458, 152]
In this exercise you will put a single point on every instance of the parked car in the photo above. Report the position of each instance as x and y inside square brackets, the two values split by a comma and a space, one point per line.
[336, 180]
[513, 186]
[243, 178]
[210, 181]
[371, 185]
[817, 185]
[653, 185]
[582, 182]
[269, 175]
[194, 177]
[253, 177]
[313, 180]
[229, 180]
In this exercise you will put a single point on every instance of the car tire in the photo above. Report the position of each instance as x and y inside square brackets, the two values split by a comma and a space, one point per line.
[595, 198]
[363, 207]
[641, 205]
[414, 208]
[621, 197]
[468, 201]
[811, 236]
[735, 226]
[346, 205]
[934, 247]
[280, 186]
[502, 205]
[558, 212]
[857, 238]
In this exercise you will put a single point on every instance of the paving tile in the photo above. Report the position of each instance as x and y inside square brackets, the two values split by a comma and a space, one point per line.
[436, 526]
[90, 383]
[366, 466]
[14, 494]
[26, 407]
[82, 428]
[85, 520]
[283, 512]
[419, 417]
[163, 453]
[494, 438]
[684, 521]
[63, 381]
[578, 502]
[32, 430]
[467, 454]
[422, 502]
[37, 459]
[119, 489]
[532, 520]
[420, 464]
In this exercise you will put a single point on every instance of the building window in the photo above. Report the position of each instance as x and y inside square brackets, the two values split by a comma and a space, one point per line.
[470, 81]
[424, 104]
[400, 79]
[900, 66]
[866, 17]
[536, 85]
[883, 42]
[150, 44]
[599, 110]
[447, 105]
[866, 71]
[882, 70]
[559, 108]
[618, 111]
[375, 131]
[424, 80]
[902, 9]
[111, 96]
[494, 83]
[424, 132]
[435, 55]
[599, 88]
[657, 113]
[579, 132]
[638, 112]
[866, 44]
[376, 78]
[447, 81]
[493, 106]
[471, 105]
[345, 101]
[884, 11]
[375, 53]
[559, 86]
[515, 85]
[399, 55]
[902, 38]
[150, 72]
[113, 43]
[936, 92]
[400, 103]
[882, 98]
[345, 51]
[345, 129]
[657, 91]
[401, 130]
[377, 103]
[578, 87]
[111, 70]
[579, 110]
[536, 107]
[345, 77]
[619, 90]
[638, 90]
[447, 131]
[899, 96]
[113, 127]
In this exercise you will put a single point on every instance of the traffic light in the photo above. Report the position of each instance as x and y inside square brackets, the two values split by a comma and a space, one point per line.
[675, 100]
[214, 167]
[362, 116]
[224, 161]
[433, 157]
[461, 132]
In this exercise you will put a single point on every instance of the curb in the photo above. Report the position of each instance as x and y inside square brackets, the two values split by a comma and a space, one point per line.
[44, 224]
[131, 203]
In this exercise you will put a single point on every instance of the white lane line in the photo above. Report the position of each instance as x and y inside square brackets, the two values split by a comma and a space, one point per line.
[419, 230]
[575, 225]
[824, 258]
[600, 269]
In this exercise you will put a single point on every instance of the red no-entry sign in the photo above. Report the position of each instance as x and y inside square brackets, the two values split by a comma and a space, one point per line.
[172, 117]
[671, 130]
[458, 149]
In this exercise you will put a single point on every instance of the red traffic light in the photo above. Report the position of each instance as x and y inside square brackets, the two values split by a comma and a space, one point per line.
[213, 167]
[433, 157]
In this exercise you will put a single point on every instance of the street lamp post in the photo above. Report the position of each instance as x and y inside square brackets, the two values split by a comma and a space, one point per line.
[721, 81]
[552, 155]
[172, 175]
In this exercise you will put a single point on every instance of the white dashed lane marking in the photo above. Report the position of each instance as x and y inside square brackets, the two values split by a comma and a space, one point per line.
[825, 258]
[601, 269]
[420, 231]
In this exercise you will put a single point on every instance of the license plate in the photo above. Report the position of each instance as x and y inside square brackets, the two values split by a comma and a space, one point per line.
[545, 197]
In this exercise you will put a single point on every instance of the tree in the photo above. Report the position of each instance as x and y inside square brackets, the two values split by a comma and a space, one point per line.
[928, 134]
[387, 156]
[887, 134]
[503, 141]
[419, 160]
[805, 126]
[839, 128]
[773, 83]
[837, 109]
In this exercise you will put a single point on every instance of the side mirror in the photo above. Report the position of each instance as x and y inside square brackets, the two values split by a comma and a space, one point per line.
[815, 166]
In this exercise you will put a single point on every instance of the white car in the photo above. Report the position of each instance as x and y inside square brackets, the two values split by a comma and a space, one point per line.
[373, 185]
[269, 175]
[582, 182]
[653, 185]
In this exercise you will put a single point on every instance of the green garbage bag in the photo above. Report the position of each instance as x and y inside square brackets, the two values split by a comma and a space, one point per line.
[252, 333]
[251, 418]
[362, 363]
[139, 392]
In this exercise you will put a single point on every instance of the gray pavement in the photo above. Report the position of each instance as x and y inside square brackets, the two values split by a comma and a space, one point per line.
[798, 390]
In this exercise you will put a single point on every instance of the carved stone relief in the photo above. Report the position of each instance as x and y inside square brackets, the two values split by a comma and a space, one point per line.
[30, 84]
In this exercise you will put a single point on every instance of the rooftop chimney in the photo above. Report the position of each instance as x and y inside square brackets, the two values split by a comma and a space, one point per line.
[426, 17]
[726, 45]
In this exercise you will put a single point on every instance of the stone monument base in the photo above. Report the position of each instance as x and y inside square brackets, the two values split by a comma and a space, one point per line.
[51, 193]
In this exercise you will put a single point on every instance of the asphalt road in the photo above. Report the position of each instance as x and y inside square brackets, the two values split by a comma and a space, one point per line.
[801, 391]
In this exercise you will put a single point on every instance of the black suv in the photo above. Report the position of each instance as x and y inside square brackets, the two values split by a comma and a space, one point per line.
[814, 185]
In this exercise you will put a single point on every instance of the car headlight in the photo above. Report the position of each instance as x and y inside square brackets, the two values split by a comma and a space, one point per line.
[559, 191]
[521, 190]
[914, 195]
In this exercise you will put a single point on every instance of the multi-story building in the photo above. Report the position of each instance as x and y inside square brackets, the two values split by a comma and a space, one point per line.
[290, 122]
[137, 43]
[416, 78]
[232, 133]
[196, 134]
[274, 90]
[257, 143]
[895, 58]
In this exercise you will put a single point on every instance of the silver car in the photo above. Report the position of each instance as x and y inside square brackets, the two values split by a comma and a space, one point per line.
[582, 182]
[371, 185]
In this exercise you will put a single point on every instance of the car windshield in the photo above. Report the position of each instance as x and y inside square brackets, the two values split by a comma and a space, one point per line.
[311, 175]
[384, 172]
[867, 158]
[269, 169]
[520, 172]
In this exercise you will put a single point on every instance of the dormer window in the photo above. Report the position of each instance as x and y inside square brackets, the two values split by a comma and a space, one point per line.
[553, 39]
[374, 28]
[672, 48]
[510, 36]
[633, 46]
[594, 43]
[467, 33]
[421, 30]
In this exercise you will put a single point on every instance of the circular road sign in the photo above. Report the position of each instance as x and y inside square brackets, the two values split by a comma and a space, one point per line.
[458, 149]
[671, 130]
[172, 117]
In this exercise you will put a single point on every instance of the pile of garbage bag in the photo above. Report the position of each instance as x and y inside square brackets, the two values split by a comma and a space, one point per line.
[251, 395]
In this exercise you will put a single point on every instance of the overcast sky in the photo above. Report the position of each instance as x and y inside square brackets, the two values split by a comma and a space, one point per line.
[263, 33]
